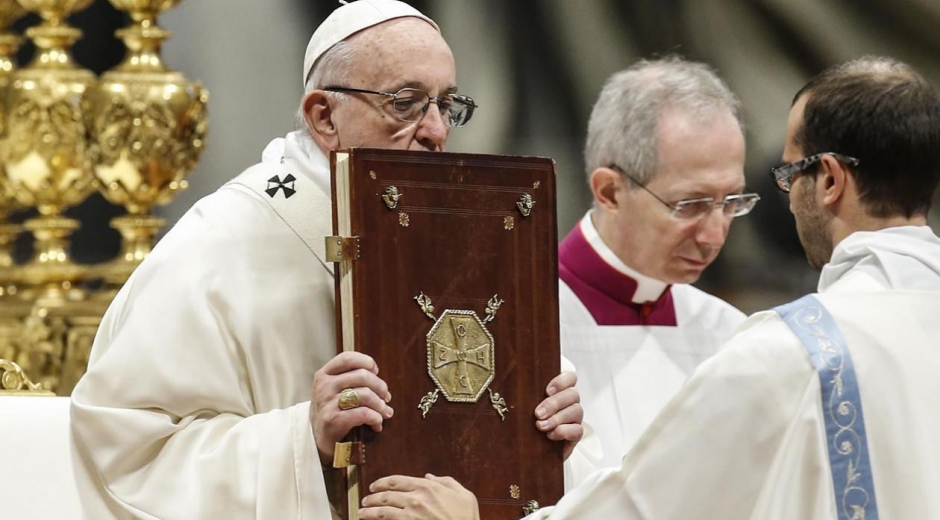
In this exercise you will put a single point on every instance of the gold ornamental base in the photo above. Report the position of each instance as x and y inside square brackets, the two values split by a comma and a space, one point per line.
[50, 277]
[137, 238]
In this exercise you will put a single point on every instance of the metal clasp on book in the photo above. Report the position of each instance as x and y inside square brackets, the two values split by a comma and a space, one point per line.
[347, 454]
[342, 248]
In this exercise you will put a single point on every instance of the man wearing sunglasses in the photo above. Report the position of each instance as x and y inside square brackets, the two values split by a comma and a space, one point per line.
[824, 408]
[665, 163]
[213, 389]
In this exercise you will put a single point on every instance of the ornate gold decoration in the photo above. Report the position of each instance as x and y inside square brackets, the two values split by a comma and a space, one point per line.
[509, 223]
[499, 404]
[427, 402]
[461, 355]
[13, 378]
[515, 492]
[372, 175]
[491, 307]
[403, 219]
[391, 197]
[58, 129]
[148, 127]
[53, 343]
[525, 204]
[536, 184]
[530, 507]
[44, 152]
[10, 11]
[426, 306]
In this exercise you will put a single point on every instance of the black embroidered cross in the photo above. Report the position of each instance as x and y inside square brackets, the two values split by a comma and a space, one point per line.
[275, 183]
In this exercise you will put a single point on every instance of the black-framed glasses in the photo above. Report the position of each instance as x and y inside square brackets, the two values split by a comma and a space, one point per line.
[411, 104]
[783, 175]
[694, 209]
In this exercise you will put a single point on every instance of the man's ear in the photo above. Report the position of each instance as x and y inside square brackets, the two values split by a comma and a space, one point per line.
[605, 183]
[832, 180]
[318, 113]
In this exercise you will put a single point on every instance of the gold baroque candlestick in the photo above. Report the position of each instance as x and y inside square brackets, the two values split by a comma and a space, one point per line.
[10, 11]
[44, 149]
[148, 129]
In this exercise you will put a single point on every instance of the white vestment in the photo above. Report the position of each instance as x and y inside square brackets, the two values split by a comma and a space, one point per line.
[746, 438]
[196, 400]
[634, 340]
[197, 397]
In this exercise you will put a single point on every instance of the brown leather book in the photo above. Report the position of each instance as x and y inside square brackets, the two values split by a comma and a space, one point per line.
[447, 276]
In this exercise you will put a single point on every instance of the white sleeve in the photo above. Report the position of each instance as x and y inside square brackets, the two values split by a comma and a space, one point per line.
[587, 455]
[191, 407]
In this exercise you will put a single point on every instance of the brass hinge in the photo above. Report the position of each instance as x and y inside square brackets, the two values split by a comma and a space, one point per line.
[349, 454]
[342, 248]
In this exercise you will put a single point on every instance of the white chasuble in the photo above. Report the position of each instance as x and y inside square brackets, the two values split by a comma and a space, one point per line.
[196, 400]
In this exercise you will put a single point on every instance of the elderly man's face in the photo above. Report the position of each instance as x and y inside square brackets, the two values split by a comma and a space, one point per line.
[697, 159]
[400, 53]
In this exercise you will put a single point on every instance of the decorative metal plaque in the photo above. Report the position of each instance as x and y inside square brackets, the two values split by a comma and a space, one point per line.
[525, 204]
[460, 356]
[391, 196]
[461, 353]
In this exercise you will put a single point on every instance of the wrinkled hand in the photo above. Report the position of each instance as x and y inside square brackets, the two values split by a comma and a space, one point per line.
[560, 414]
[410, 498]
[330, 424]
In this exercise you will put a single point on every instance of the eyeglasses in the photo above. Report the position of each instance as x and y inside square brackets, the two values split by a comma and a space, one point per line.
[783, 176]
[694, 209]
[411, 104]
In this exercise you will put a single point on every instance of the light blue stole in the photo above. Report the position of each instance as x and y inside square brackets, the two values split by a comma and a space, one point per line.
[842, 406]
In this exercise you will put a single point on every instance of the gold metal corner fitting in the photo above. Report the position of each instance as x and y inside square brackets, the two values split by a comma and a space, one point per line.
[347, 454]
[342, 248]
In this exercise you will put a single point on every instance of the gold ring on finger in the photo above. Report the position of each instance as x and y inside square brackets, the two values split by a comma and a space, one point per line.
[348, 399]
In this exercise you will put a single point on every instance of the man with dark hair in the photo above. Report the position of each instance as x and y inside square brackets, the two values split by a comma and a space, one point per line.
[823, 408]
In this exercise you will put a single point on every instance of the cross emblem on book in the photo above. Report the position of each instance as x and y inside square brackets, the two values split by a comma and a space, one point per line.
[275, 183]
[453, 347]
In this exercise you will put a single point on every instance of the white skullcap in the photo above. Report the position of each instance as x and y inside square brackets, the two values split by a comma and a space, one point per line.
[351, 18]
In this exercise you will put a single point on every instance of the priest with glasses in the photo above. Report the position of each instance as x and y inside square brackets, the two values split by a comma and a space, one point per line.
[665, 163]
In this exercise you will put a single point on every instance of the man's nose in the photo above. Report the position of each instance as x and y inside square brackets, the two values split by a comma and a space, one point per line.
[432, 130]
[713, 228]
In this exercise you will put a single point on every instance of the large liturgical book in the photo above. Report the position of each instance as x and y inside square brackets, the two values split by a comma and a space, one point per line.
[447, 275]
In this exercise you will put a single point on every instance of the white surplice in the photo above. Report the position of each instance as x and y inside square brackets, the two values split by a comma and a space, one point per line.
[630, 367]
[745, 437]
